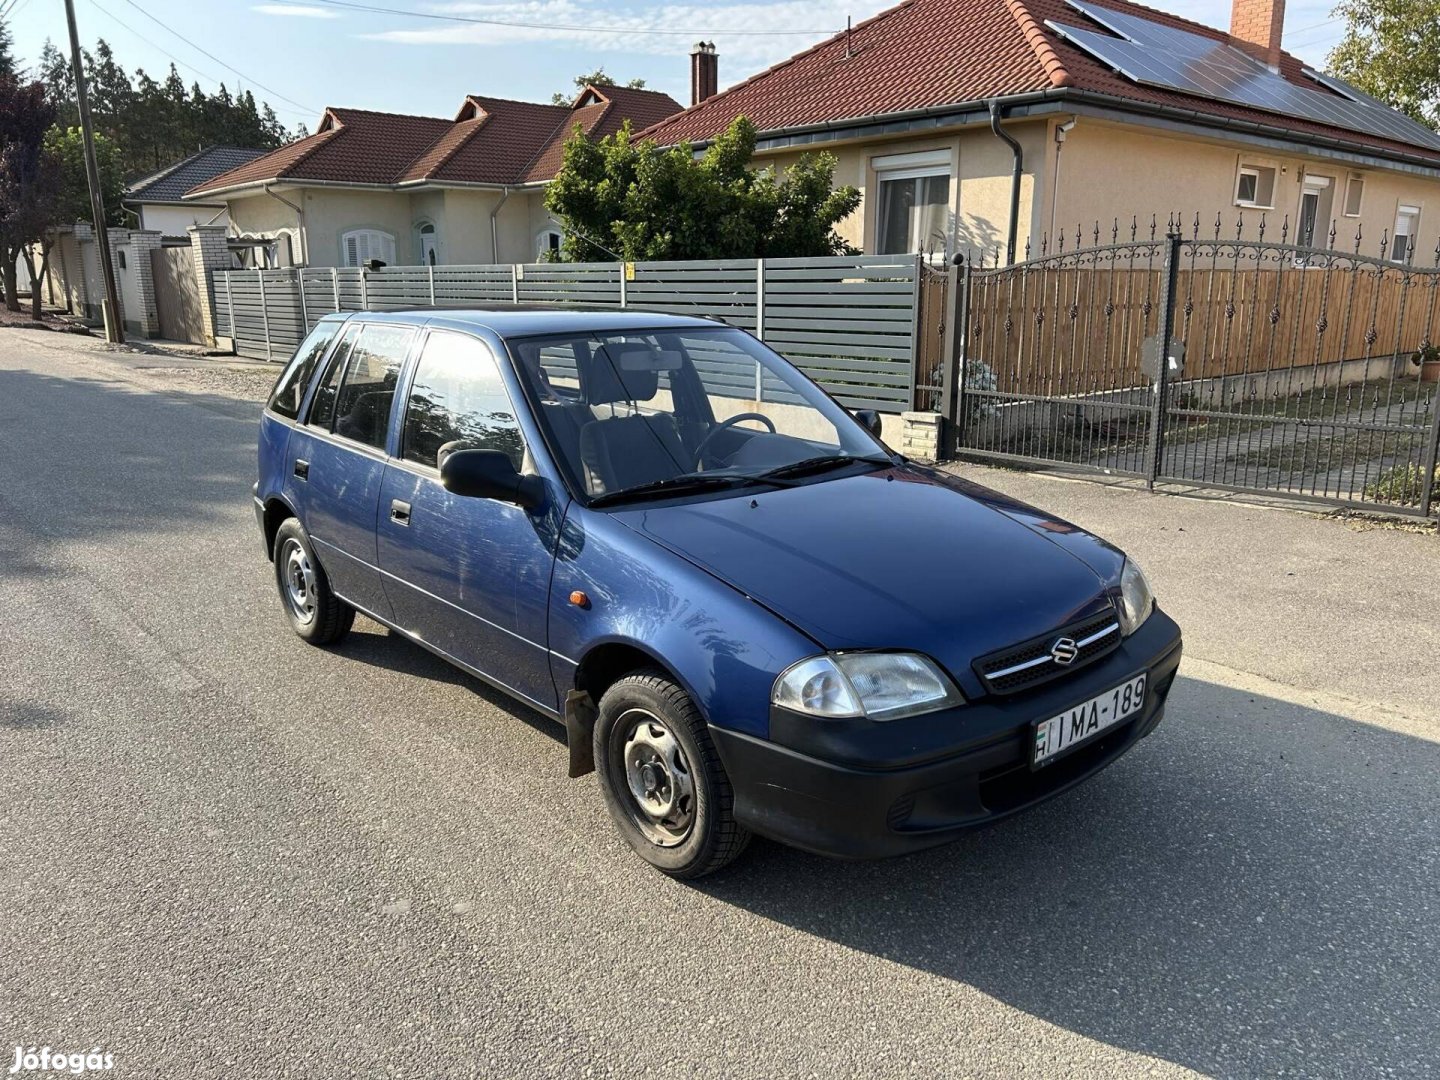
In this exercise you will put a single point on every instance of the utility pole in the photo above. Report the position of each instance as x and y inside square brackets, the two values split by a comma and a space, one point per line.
[110, 306]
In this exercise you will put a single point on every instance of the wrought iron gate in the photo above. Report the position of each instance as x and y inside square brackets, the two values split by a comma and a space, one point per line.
[1306, 371]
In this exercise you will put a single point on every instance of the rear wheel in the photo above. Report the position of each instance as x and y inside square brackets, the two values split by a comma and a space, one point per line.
[316, 614]
[662, 779]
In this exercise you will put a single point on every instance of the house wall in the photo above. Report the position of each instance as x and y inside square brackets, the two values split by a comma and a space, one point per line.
[1110, 171]
[262, 216]
[979, 189]
[175, 220]
[332, 212]
[539, 221]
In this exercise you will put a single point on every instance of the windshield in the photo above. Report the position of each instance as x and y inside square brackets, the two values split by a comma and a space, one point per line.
[671, 411]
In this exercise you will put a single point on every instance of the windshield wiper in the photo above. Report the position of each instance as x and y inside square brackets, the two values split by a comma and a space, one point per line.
[824, 463]
[673, 485]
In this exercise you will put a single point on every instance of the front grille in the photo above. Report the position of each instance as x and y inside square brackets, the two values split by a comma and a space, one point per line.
[1030, 663]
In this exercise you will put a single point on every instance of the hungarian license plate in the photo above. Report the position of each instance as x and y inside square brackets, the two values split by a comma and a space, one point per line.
[1087, 720]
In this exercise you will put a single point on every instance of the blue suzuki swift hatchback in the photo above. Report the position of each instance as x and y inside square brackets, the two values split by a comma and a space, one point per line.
[749, 614]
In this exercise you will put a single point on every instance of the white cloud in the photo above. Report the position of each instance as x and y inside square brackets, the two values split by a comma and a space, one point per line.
[302, 11]
[788, 27]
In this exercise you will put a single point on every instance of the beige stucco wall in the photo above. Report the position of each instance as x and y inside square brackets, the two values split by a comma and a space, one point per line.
[1110, 171]
[263, 217]
[175, 220]
[332, 212]
[979, 200]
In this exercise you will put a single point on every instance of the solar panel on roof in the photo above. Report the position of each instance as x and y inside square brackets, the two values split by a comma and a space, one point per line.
[1157, 55]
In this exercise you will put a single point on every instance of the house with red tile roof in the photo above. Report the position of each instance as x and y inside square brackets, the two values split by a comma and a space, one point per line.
[986, 124]
[417, 189]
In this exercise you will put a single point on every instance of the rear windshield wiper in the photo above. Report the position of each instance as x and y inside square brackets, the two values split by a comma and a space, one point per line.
[824, 463]
[673, 485]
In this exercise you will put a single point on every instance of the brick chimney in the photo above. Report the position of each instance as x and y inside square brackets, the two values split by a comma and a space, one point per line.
[705, 71]
[1255, 26]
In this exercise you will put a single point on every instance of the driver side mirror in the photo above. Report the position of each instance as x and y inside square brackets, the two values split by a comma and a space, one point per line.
[490, 474]
[869, 420]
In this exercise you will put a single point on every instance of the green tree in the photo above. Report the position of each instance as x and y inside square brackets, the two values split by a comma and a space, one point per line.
[69, 190]
[154, 123]
[594, 78]
[66, 149]
[619, 199]
[7, 50]
[1391, 50]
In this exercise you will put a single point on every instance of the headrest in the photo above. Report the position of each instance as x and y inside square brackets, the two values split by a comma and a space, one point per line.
[625, 371]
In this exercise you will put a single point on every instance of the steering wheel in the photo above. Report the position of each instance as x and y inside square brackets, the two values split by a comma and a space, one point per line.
[726, 425]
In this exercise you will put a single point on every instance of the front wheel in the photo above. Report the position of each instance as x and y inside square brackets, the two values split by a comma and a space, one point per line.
[316, 614]
[662, 779]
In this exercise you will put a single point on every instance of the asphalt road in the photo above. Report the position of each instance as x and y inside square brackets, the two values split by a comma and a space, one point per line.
[224, 853]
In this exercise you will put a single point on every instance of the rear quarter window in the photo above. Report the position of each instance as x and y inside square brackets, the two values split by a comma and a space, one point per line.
[289, 389]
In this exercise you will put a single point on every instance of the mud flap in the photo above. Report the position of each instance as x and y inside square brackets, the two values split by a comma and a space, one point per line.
[580, 716]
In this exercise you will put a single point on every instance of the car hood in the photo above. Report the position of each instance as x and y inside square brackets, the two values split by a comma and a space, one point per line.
[898, 558]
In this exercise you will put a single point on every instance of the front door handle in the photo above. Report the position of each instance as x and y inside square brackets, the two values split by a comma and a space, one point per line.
[399, 512]
[302, 468]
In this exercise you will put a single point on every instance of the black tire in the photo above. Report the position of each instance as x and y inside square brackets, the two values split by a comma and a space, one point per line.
[316, 614]
[646, 716]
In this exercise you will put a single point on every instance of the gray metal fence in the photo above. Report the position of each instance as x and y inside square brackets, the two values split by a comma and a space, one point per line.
[849, 322]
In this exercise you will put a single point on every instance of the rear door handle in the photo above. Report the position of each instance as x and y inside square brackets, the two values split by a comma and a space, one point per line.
[302, 468]
[399, 512]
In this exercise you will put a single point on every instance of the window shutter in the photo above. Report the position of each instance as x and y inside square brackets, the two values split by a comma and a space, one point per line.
[362, 245]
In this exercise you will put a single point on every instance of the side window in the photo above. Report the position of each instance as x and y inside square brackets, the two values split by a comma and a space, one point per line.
[362, 407]
[458, 402]
[322, 408]
[290, 387]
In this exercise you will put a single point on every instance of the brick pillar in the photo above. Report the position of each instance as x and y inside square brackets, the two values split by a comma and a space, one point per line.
[88, 284]
[211, 253]
[920, 435]
[142, 243]
[117, 238]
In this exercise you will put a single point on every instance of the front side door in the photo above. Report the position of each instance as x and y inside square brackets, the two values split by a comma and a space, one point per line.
[471, 577]
[338, 458]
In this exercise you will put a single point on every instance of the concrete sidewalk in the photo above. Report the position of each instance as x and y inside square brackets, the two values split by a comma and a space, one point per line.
[1344, 606]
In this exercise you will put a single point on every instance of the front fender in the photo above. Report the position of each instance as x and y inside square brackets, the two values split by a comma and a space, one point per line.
[723, 648]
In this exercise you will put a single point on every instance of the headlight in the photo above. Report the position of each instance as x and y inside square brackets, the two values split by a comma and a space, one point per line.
[1136, 600]
[880, 686]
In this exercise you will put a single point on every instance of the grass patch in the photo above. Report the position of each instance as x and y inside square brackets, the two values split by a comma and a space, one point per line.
[1338, 451]
[1401, 484]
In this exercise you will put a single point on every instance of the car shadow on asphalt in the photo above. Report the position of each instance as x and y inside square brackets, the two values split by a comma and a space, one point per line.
[378, 646]
[1250, 892]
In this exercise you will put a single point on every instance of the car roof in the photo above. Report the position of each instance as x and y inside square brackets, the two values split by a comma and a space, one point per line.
[526, 320]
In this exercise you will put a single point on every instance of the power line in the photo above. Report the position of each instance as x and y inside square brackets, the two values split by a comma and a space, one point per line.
[222, 63]
[175, 59]
[561, 26]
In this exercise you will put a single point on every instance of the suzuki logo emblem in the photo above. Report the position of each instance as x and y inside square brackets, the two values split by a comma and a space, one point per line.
[1064, 651]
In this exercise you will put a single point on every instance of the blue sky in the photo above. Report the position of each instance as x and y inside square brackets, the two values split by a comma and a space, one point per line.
[302, 55]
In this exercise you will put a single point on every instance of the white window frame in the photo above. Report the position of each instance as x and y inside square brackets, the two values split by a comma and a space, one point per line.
[1354, 180]
[542, 242]
[1404, 211]
[420, 234]
[370, 243]
[1255, 169]
[914, 166]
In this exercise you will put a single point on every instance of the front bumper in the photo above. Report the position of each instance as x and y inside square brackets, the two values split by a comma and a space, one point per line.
[924, 795]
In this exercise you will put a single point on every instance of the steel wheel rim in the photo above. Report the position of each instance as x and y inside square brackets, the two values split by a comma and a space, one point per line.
[297, 581]
[659, 789]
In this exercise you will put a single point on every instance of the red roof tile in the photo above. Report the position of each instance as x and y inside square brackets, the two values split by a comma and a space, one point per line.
[491, 141]
[931, 53]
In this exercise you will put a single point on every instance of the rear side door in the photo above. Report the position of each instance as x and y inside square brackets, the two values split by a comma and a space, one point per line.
[470, 577]
[338, 458]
